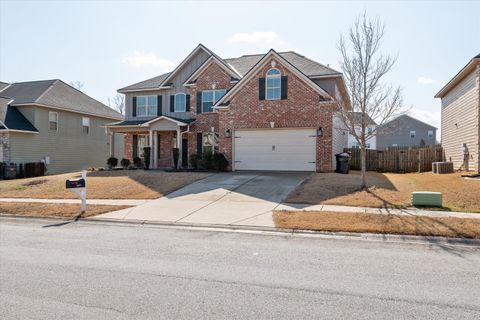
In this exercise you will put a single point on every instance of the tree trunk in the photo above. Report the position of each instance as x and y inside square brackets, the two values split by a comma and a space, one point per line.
[363, 163]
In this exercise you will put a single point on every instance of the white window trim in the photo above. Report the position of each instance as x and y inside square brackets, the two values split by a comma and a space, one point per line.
[86, 125]
[414, 134]
[214, 101]
[184, 102]
[56, 118]
[430, 134]
[146, 106]
[267, 76]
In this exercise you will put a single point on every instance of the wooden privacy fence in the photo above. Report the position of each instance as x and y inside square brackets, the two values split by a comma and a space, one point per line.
[398, 159]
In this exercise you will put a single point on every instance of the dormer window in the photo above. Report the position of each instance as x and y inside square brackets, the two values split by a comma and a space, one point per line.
[273, 84]
[180, 102]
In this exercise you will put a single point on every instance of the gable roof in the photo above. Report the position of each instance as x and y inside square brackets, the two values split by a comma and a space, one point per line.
[152, 83]
[288, 65]
[58, 95]
[213, 59]
[469, 67]
[399, 118]
[307, 66]
[12, 119]
[239, 66]
[3, 85]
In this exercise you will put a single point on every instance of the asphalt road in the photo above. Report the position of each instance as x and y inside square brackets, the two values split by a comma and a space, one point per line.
[98, 271]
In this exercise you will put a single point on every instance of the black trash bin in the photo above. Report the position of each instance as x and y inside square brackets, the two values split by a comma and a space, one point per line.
[343, 163]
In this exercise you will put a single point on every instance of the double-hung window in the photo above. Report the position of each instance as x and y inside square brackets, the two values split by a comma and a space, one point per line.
[210, 142]
[180, 102]
[86, 125]
[146, 106]
[210, 97]
[273, 84]
[53, 120]
[430, 134]
[413, 134]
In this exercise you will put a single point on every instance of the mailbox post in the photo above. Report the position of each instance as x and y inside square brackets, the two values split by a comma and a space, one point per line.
[80, 188]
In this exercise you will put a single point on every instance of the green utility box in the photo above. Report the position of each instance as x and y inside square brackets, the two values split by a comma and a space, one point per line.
[426, 198]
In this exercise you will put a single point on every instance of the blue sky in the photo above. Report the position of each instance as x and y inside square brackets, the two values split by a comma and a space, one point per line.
[108, 45]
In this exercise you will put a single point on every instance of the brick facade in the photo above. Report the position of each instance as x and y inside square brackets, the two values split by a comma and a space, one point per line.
[301, 109]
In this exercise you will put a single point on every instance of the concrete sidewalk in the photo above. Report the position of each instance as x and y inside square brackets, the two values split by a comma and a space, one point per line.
[118, 202]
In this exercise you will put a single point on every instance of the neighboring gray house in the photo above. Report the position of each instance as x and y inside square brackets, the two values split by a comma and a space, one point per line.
[53, 122]
[372, 125]
[461, 117]
[405, 131]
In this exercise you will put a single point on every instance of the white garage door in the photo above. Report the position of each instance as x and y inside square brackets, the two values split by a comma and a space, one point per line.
[275, 149]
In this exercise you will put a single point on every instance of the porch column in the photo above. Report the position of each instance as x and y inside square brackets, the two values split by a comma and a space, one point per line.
[154, 149]
[179, 146]
[151, 148]
[112, 144]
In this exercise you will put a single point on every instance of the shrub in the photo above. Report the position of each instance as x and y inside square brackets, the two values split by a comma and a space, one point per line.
[125, 163]
[137, 162]
[193, 159]
[176, 156]
[220, 163]
[112, 162]
[207, 161]
[146, 157]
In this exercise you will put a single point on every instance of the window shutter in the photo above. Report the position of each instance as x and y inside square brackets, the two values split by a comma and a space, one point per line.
[284, 86]
[199, 102]
[134, 146]
[172, 103]
[159, 106]
[187, 103]
[199, 144]
[261, 88]
[134, 106]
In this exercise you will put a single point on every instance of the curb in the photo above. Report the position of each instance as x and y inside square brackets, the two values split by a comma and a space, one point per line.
[265, 231]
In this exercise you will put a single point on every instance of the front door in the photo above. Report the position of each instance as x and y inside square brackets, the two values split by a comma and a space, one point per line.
[184, 153]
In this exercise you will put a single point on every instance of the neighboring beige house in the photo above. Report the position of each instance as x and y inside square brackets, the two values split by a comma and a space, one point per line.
[53, 122]
[461, 116]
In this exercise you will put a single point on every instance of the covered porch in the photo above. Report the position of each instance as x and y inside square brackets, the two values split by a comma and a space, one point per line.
[162, 135]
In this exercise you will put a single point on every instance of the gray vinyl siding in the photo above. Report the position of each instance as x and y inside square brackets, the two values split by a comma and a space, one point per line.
[178, 79]
[397, 132]
[328, 85]
[339, 137]
[69, 148]
[460, 121]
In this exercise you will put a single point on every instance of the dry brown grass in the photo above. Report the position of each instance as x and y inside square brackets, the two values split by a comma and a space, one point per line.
[387, 190]
[377, 223]
[121, 184]
[54, 209]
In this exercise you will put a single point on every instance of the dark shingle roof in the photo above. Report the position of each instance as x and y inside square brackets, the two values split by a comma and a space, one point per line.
[3, 85]
[244, 63]
[477, 56]
[139, 122]
[147, 84]
[56, 93]
[307, 66]
[15, 120]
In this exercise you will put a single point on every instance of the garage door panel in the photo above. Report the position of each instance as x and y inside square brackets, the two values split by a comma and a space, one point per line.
[294, 150]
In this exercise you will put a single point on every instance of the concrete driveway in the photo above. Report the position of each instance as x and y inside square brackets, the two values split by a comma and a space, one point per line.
[225, 198]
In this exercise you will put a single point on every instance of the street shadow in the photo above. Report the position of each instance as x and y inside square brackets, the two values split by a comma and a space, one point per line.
[63, 223]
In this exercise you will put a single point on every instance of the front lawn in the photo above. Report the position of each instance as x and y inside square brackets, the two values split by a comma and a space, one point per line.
[387, 190]
[377, 223]
[54, 209]
[120, 184]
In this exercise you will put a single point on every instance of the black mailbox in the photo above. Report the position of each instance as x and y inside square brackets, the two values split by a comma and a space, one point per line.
[75, 183]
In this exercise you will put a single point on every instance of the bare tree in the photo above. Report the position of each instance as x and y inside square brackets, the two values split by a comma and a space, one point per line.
[364, 69]
[117, 103]
[77, 85]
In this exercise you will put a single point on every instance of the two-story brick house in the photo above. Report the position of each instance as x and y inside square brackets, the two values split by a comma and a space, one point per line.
[273, 111]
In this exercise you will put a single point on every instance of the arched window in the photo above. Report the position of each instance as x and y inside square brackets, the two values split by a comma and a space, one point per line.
[273, 84]
[180, 102]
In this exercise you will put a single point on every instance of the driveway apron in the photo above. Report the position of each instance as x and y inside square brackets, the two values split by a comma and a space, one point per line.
[234, 198]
